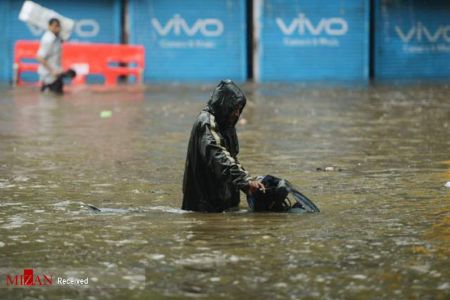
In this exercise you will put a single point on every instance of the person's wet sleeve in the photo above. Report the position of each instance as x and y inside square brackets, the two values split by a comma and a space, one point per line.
[220, 161]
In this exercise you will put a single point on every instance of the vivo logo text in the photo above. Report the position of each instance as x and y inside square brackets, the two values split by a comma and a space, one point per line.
[421, 33]
[84, 28]
[302, 25]
[178, 25]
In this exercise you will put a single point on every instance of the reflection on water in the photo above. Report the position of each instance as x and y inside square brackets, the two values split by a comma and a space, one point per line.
[383, 230]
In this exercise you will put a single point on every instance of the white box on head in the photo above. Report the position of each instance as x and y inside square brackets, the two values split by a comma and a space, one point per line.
[37, 15]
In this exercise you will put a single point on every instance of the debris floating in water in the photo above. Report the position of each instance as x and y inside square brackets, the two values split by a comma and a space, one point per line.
[105, 114]
[93, 208]
[157, 256]
[329, 169]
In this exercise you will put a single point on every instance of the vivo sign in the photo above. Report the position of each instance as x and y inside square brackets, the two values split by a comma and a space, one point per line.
[420, 33]
[177, 25]
[302, 25]
[84, 28]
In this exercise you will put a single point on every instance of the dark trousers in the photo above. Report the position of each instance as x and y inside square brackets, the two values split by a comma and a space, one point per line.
[56, 86]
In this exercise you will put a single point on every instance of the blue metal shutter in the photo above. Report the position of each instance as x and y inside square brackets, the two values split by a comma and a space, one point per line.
[412, 39]
[191, 40]
[312, 40]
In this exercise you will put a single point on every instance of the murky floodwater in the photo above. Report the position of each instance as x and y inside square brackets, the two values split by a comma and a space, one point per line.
[383, 231]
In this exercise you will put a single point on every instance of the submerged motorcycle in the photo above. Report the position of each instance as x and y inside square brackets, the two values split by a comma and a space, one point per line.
[279, 196]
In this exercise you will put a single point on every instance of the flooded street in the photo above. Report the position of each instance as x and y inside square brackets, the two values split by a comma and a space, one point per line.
[383, 231]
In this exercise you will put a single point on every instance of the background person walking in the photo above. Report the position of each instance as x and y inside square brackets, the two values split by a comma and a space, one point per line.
[49, 57]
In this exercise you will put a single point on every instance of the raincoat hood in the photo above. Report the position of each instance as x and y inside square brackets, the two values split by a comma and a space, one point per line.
[224, 100]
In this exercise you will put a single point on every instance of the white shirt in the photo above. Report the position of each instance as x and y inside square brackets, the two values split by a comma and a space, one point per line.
[50, 50]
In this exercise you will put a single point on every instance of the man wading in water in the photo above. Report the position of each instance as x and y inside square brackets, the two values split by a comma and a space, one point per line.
[213, 175]
[49, 57]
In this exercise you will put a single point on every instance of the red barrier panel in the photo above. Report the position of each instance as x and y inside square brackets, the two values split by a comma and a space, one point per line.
[108, 60]
[24, 50]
